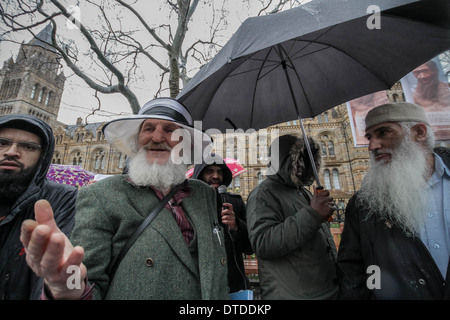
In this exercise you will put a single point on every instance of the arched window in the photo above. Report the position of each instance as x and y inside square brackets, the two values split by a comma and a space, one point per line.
[17, 87]
[122, 159]
[10, 88]
[336, 182]
[327, 181]
[56, 158]
[334, 113]
[323, 148]
[33, 91]
[47, 99]
[103, 162]
[4, 89]
[331, 148]
[98, 159]
[41, 94]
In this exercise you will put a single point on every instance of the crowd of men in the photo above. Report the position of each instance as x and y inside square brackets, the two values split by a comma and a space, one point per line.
[192, 244]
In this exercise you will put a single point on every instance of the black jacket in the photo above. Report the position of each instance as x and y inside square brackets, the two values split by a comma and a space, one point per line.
[17, 281]
[237, 242]
[406, 267]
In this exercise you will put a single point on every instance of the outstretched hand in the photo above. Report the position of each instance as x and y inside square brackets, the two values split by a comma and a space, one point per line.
[49, 253]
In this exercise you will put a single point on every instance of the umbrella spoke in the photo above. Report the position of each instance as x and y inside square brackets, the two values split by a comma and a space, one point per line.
[272, 66]
[326, 50]
[255, 86]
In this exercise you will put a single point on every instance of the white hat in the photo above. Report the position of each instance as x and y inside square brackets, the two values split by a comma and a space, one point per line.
[123, 133]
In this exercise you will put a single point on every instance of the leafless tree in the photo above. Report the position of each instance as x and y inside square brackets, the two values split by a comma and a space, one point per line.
[109, 51]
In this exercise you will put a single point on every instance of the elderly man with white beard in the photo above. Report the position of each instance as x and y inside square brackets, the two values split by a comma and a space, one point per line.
[177, 256]
[396, 238]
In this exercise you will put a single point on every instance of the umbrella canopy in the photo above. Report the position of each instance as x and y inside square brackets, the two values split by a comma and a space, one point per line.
[306, 60]
[69, 174]
[232, 164]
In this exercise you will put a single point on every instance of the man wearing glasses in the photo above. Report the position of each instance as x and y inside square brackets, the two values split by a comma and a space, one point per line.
[26, 150]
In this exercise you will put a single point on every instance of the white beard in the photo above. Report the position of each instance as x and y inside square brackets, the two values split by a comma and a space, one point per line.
[162, 177]
[397, 191]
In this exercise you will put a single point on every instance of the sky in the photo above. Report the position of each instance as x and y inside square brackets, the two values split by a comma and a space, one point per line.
[78, 99]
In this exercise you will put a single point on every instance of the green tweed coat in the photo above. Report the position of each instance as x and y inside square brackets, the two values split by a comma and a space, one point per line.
[159, 265]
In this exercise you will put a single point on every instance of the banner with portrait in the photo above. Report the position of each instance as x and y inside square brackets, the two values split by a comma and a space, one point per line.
[428, 87]
[357, 111]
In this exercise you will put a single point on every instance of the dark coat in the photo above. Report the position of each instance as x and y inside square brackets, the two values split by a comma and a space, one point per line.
[406, 267]
[295, 249]
[17, 281]
[237, 242]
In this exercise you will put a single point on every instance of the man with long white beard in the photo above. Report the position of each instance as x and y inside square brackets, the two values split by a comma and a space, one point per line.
[177, 256]
[396, 239]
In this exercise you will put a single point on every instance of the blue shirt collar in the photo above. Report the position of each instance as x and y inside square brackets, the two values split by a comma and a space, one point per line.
[439, 170]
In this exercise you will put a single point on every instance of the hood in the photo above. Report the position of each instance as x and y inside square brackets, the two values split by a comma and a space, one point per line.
[293, 157]
[217, 160]
[44, 131]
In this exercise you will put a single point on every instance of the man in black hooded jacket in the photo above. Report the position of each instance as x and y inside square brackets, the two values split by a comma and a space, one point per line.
[26, 149]
[232, 215]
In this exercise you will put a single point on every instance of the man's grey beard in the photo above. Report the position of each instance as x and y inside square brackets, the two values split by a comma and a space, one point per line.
[397, 191]
[162, 177]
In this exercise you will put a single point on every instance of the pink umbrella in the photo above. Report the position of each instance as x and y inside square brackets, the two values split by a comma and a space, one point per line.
[69, 174]
[233, 164]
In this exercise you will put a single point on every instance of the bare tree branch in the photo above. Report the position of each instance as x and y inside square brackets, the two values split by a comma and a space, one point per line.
[119, 53]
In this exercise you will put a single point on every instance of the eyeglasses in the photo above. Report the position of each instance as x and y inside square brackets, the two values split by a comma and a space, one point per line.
[22, 146]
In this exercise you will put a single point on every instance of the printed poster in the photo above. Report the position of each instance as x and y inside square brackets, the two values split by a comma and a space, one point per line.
[428, 87]
[357, 111]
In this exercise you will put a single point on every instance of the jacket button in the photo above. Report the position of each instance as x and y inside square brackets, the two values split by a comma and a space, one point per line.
[223, 261]
[422, 282]
[149, 262]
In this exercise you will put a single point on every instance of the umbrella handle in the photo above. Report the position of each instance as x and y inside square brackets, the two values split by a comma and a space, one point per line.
[311, 157]
[305, 137]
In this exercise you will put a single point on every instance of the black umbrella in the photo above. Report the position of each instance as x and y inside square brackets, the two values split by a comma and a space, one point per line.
[306, 60]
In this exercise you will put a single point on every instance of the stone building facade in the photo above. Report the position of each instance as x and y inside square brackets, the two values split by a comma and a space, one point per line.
[34, 83]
